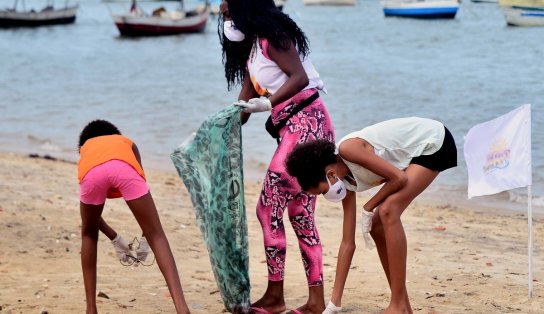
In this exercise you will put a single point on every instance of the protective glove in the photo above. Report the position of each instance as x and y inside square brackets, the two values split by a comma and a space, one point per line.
[332, 309]
[143, 249]
[366, 224]
[255, 105]
[121, 248]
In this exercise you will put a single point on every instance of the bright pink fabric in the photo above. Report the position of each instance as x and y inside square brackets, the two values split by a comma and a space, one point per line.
[112, 175]
[280, 191]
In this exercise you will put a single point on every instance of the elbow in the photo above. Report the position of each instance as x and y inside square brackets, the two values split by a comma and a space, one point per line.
[401, 180]
[302, 81]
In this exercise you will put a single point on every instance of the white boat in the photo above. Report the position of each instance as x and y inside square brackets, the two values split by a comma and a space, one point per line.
[214, 5]
[523, 12]
[522, 16]
[329, 2]
[424, 9]
[49, 15]
[161, 21]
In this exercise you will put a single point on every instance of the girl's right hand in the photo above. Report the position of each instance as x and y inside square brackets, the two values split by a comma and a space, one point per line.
[121, 248]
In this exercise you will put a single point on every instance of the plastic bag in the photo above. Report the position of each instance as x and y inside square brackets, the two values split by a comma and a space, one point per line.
[211, 168]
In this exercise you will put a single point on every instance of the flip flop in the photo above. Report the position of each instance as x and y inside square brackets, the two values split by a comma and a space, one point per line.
[260, 310]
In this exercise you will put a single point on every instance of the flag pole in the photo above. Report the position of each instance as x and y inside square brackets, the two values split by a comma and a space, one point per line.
[530, 244]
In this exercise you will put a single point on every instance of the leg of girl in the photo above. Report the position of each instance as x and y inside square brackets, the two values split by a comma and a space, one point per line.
[388, 233]
[302, 216]
[90, 220]
[281, 190]
[145, 212]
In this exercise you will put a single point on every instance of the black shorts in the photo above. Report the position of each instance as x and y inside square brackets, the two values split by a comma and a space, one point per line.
[444, 158]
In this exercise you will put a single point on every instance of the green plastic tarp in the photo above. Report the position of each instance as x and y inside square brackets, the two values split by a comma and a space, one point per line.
[210, 165]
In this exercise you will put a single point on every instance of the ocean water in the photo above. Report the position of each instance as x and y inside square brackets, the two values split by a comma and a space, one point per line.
[462, 72]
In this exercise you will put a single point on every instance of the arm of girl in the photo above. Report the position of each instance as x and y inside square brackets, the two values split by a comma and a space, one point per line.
[347, 247]
[362, 153]
[289, 62]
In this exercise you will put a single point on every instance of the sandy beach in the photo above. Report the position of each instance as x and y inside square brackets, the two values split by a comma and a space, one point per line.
[460, 259]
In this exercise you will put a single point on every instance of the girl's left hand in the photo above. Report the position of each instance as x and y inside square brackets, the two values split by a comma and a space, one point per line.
[367, 226]
[255, 105]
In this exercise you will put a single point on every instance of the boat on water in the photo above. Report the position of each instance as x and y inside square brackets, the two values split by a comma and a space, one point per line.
[161, 22]
[329, 2]
[214, 5]
[523, 12]
[49, 15]
[422, 9]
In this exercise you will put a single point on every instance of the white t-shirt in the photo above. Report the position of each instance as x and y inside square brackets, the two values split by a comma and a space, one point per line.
[396, 141]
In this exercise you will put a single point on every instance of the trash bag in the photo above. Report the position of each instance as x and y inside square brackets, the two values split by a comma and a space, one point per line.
[211, 168]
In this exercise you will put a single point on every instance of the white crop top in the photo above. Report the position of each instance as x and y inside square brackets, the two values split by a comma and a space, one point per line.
[266, 75]
[396, 141]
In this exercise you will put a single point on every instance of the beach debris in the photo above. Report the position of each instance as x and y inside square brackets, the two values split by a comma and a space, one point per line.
[132, 300]
[489, 264]
[438, 295]
[102, 295]
[196, 306]
[214, 291]
[439, 228]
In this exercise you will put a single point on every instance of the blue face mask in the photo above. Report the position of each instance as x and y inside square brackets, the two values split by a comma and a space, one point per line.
[231, 32]
[337, 192]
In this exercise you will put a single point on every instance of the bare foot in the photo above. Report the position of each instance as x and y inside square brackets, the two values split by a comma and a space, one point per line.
[392, 310]
[270, 304]
[309, 309]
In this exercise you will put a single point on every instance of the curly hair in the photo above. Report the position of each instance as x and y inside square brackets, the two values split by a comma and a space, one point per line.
[307, 162]
[97, 128]
[257, 18]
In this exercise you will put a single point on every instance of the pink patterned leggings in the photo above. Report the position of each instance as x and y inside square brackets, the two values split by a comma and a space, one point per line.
[282, 191]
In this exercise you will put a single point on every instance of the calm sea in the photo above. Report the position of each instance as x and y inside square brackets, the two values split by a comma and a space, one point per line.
[157, 90]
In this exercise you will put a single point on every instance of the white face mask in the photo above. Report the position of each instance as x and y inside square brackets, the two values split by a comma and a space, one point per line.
[336, 192]
[231, 32]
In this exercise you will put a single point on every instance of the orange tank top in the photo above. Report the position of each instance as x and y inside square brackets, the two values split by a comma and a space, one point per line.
[98, 150]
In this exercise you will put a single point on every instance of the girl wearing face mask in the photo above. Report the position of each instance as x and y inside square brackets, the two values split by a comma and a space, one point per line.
[405, 155]
[267, 53]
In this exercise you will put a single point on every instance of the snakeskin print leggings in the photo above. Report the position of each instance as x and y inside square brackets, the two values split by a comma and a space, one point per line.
[282, 191]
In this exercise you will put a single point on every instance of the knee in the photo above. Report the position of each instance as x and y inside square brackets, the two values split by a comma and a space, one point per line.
[89, 232]
[389, 213]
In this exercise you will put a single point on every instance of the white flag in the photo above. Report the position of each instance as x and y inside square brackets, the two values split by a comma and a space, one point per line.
[498, 153]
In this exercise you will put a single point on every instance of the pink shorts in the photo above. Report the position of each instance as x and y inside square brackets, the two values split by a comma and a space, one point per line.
[111, 175]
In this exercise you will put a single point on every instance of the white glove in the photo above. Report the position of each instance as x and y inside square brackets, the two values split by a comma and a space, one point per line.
[142, 250]
[255, 105]
[332, 309]
[366, 224]
[121, 248]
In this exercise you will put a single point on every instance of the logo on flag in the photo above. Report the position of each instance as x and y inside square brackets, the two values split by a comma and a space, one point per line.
[498, 156]
[498, 153]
